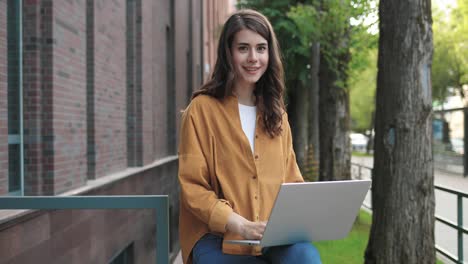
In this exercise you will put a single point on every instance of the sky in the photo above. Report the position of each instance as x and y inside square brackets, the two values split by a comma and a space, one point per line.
[445, 4]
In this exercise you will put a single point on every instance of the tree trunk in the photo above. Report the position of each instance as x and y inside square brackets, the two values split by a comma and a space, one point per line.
[370, 142]
[314, 139]
[298, 116]
[403, 183]
[335, 150]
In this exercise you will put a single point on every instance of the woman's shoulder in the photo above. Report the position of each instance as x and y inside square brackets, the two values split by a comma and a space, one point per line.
[201, 103]
[204, 99]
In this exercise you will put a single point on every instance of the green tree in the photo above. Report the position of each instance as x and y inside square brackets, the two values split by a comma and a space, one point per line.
[403, 203]
[362, 82]
[294, 34]
[450, 61]
[306, 17]
[363, 69]
[315, 36]
[338, 40]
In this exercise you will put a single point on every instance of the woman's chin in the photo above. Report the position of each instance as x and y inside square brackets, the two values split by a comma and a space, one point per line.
[251, 79]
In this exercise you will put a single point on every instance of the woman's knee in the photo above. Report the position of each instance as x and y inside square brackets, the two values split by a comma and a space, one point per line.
[302, 253]
[208, 247]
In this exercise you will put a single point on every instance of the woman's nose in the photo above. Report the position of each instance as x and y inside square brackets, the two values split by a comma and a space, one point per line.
[252, 56]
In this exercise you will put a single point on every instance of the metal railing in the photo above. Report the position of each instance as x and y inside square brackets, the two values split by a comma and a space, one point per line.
[158, 202]
[457, 226]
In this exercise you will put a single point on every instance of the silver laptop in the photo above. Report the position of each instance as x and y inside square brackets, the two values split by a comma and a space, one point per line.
[312, 211]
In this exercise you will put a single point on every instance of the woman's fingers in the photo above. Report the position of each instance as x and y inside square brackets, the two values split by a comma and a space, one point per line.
[244, 227]
[255, 230]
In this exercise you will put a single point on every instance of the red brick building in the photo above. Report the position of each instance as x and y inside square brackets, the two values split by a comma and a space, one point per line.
[93, 109]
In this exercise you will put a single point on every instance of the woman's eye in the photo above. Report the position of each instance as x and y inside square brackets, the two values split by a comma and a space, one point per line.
[261, 48]
[243, 48]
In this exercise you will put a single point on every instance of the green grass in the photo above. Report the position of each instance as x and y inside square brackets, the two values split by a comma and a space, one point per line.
[361, 154]
[349, 250]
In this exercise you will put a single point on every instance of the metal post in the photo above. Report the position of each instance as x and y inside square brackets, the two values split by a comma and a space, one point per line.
[162, 232]
[372, 178]
[460, 225]
[465, 142]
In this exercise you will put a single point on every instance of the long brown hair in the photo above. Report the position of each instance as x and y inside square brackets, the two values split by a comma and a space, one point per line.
[270, 87]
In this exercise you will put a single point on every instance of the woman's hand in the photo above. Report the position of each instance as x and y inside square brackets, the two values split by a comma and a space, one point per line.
[245, 228]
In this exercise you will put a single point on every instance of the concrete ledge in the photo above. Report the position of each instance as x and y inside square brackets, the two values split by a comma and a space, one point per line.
[11, 217]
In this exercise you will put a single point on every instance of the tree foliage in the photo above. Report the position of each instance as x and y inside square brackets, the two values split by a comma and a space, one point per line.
[338, 28]
[362, 83]
[298, 24]
[450, 59]
[362, 74]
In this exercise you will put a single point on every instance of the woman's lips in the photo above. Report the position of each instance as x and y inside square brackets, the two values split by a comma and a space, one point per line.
[252, 70]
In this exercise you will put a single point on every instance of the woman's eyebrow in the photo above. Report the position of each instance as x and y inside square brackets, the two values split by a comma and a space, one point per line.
[248, 44]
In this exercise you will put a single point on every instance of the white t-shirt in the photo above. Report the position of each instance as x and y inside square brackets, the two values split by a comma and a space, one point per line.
[248, 116]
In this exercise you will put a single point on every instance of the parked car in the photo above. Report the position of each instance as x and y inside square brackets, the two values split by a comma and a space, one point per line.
[358, 141]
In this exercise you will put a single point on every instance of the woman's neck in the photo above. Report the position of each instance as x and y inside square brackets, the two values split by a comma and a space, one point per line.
[245, 95]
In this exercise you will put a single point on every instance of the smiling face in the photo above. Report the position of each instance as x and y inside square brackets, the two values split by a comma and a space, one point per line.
[249, 56]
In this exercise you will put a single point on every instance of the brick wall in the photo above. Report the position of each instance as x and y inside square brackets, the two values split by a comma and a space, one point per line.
[110, 112]
[197, 23]
[183, 75]
[3, 100]
[75, 120]
[160, 21]
[147, 95]
[47, 95]
[217, 12]
[69, 94]
[36, 104]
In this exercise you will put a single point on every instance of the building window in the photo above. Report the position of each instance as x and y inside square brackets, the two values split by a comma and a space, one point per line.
[124, 257]
[134, 84]
[171, 89]
[15, 89]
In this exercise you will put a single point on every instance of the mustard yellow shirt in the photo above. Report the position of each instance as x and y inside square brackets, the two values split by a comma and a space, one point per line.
[219, 174]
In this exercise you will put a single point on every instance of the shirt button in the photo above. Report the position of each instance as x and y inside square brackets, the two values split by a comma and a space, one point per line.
[254, 177]
[257, 217]
[256, 197]
[256, 136]
[256, 156]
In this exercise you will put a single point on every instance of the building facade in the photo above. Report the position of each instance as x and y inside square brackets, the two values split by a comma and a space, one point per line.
[90, 100]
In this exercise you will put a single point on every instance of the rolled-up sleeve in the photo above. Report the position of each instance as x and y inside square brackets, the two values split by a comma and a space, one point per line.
[197, 194]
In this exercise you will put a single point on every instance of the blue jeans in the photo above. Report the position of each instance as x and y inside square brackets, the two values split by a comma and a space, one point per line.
[209, 250]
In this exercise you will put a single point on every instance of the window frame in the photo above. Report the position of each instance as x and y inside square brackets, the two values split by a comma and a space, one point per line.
[17, 139]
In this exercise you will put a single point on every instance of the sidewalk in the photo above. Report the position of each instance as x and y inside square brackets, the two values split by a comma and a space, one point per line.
[442, 178]
[453, 181]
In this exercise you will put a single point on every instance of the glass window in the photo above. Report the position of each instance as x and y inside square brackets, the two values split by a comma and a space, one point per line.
[14, 58]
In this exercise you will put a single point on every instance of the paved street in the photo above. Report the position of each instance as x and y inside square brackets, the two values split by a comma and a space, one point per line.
[446, 206]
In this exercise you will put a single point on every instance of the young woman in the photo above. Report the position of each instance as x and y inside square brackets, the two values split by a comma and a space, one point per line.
[236, 150]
